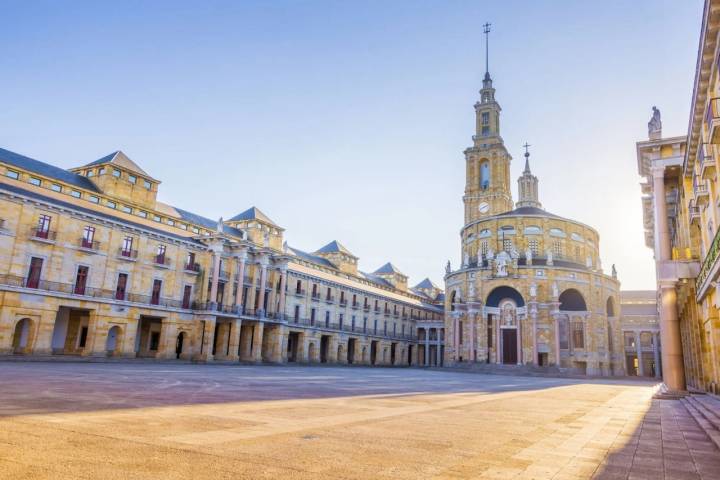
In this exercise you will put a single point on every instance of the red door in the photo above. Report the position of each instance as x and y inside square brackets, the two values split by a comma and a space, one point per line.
[33, 280]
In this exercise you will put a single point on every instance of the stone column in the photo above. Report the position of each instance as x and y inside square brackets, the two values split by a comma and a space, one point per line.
[533, 318]
[43, 338]
[207, 336]
[215, 280]
[438, 356]
[235, 326]
[257, 342]
[426, 356]
[656, 354]
[638, 349]
[263, 281]
[241, 258]
[556, 319]
[281, 303]
[498, 356]
[672, 360]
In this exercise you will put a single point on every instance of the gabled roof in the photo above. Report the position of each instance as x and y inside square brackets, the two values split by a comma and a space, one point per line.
[427, 284]
[121, 160]
[335, 247]
[252, 213]
[387, 269]
[207, 223]
[310, 257]
[46, 170]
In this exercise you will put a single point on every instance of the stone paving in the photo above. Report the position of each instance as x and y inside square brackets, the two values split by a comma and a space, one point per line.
[150, 421]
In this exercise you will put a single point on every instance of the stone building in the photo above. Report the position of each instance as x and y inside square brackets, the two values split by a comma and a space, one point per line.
[530, 288]
[681, 209]
[641, 332]
[92, 264]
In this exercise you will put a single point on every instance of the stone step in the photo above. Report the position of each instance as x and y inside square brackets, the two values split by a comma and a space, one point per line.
[701, 420]
[708, 409]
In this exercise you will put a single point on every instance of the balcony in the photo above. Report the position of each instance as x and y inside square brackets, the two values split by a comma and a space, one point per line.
[712, 121]
[693, 212]
[43, 235]
[366, 308]
[343, 302]
[161, 261]
[299, 293]
[89, 245]
[706, 162]
[702, 195]
[127, 254]
[315, 297]
[223, 274]
[377, 310]
[330, 299]
[192, 268]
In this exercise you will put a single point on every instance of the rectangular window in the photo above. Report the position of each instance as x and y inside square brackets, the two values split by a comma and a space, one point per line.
[557, 248]
[375, 326]
[312, 316]
[81, 280]
[88, 237]
[132, 179]
[101, 171]
[12, 174]
[111, 204]
[147, 184]
[486, 118]
[127, 245]
[116, 173]
[94, 199]
[183, 226]
[352, 323]
[90, 173]
[187, 292]
[126, 209]
[43, 228]
[578, 329]
[56, 187]
[156, 218]
[190, 261]
[534, 246]
[75, 193]
[340, 321]
[327, 319]
[195, 230]
[142, 214]
[364, 324]
[564, 340]
[160, 255]
[171, 222]
[33, 279]
[35, 181]
[385, 328]
[155, 297]
[507, 245]
[121, 286]
[485, 131]
[297, 313]
[298, 287]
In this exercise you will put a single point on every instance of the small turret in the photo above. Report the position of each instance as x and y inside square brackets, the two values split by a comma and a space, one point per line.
[528, 185]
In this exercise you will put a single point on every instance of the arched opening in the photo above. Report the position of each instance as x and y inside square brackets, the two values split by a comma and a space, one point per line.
[340, 352]
[484, 175]
[179, 344]
[113, 340]
[610, 307]
[311, 352]
[499, 294]
[572, 301]
[21, 337]
[364, 355]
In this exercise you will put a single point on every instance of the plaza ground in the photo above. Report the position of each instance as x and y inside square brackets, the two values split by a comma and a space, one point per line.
[150, 421]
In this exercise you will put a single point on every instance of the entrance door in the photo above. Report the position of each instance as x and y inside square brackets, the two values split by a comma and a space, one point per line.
[324, 345]
[292, 346]
[509, 346]
[351, 351]
[373, 352]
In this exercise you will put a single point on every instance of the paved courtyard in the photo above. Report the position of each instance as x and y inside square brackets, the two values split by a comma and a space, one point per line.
[150, 421]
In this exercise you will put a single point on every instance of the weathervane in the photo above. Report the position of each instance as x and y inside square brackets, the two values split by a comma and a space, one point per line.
[486, 31]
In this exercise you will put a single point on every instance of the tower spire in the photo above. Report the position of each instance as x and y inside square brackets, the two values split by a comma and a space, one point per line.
[486, 31]
[528, 185]
[527, 158]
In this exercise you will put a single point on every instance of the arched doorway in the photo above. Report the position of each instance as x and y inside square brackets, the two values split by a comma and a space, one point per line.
[113, 340]
[21, 337]
[610, 307]
[311, 352]
[179, 344]
[508, 336]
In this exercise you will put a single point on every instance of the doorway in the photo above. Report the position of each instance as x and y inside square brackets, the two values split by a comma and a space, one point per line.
[509, 346]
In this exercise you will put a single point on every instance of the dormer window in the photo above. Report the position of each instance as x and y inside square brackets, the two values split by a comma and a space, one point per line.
[156, 218]
[35, 181]
[111, 204]
[147, 184]
[142, 214]
[132, 179]
[75, 193]
[90, 173]
[116, 173]
[12, 174]
[55, 187]
[126, 209]
[196, 230]
[171, 222]
[101, 171]
[183, 226]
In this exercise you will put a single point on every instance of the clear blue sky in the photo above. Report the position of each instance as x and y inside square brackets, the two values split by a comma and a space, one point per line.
[347, 120]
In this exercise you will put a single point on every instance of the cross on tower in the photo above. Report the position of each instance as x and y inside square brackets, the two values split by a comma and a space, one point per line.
[527, 154]
[486, 31]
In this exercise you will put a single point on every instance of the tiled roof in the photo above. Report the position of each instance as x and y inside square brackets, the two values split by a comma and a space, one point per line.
[46, 170]
[208, 223]
[121, 160]
[518, 212]
[388, 268]
[375, 279]
[310, 257]
[335, 247]
[252, 213]
[427, 284]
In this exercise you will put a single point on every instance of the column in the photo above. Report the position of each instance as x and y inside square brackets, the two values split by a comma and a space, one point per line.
[283, 283]
[533, 315]
[43, 337]
[672, 360]
[519, 342]
[257, 342]
[263, 281]
[471, 327]
[557, 339]
[241, 258]
[426, 356]
[638, 349]
[438, 356]
[215, 280]
[207, 335]
[656, 354]
[498, 357]
[235, 326]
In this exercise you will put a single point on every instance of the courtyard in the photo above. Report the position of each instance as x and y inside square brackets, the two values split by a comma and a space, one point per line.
[145, 421]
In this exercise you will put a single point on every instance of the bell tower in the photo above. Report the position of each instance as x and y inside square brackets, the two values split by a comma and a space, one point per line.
[487, 162]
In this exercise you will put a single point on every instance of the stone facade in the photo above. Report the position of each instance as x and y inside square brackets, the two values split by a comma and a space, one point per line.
[93, 265]
[641, 332]
[530, 288]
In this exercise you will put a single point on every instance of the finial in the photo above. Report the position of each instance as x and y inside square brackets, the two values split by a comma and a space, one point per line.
[527, 157]
[486, 31]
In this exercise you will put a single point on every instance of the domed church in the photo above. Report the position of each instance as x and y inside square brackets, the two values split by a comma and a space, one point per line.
[530, 289]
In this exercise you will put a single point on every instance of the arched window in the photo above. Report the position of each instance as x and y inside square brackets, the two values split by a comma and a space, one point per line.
[610, 307]
[502, 294]
[572, 301]
[485, 175]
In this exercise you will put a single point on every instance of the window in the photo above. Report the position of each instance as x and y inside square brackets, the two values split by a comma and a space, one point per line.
[147, 184]
[183, 226]
[35, 181]
[485, 131]
[352, 323]
[12, 174]
[155, 297]
[375, 326]
[121, 286]
[33, 278]
[43, 227]
[460, 331]
[485, 175]
[88, 237]
[329, 294]
[364, 324]
[90, 173]
[56, 187]
[190, 262]
[327, 319]
[75, 193]
[171, 222]
[81, 280]
[94, 199]
[563, 326]
[556, 232]
[557, 248]
[340, 321]
[484, 248]
[507, 245]
[116, 173]
[187, 292]
[101, 171]
[160, 255]
[312, 316]
[111, 204]
[156, 218]
[578, 338]
[142, 214]
[298, 287]
[126, 209]
[195, 230]
[534, 246]
[532, 230]
[126, 250]
[296, 317]
[485, 118]
[132, 179]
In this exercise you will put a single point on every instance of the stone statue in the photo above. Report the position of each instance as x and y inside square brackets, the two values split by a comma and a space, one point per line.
[549, 257]
[466, 260]
[533, 290]
[219, 226]
[471, 291]
[501, 263]
[588, 262]
[285, 247]
[555, 291]
[266, 239]
[614, 271]
[490, 254]
[655, 124]
[528, 256]
[448, 269]
[514, 254]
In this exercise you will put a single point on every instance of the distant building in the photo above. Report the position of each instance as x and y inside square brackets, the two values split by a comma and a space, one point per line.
[641, 332]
